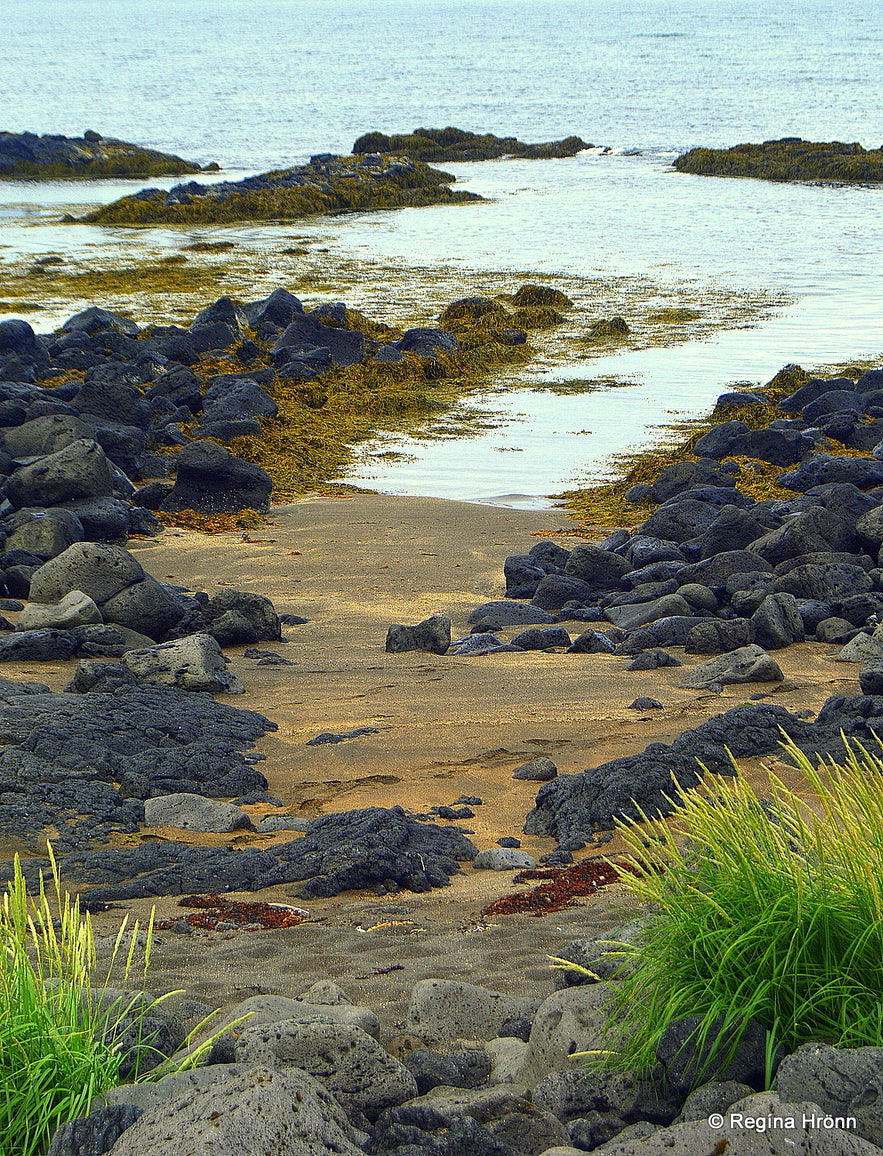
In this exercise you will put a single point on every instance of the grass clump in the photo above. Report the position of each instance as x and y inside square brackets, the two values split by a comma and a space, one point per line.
[58, 1019]
[69, 1028]
[769, 910]
[788, 159]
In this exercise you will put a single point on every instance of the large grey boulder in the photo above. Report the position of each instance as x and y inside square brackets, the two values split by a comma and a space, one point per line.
[45, 533]
[432, 634]
[747, 664]
[842, 1081]
[195, 813]
[442, 1010]
[504, 612]
[44, 435]
[359, 1072]
[639, 614]
[262, 1010]
[192, 663]
[759, 1125]
[95, 568]
[504, 859]
[75, 609]
[260, 1111]
[777, 622]
[80, 470]
[144, 606]
[570, 1020]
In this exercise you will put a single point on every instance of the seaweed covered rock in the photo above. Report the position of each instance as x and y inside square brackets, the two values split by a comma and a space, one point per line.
[451, 144]
[787, 159]
[325, 184]
[27, 156]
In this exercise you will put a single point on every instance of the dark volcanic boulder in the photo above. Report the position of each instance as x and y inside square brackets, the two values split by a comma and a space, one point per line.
[428, 342]
[305, 333]
[574, 807]
[731, 530]
[433, 634]
[80, 470]
[17, 338]
[601, 569]
[44, 435]
[825, 583]
[680, 521]
[358, 849]
[555, 590]
[777, 622]
[212, 481]
[820, 469]
[817, 529]
[686, 476]
[718, 635]
[523, 575]
[145, 606]
[746, 664]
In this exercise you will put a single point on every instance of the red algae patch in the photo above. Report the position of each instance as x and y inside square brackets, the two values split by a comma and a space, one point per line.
[215, 913]
[562, 888]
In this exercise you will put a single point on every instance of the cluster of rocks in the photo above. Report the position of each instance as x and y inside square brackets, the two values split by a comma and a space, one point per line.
[473, 1071]
[326, 183]
[440, 145]
[27, 156]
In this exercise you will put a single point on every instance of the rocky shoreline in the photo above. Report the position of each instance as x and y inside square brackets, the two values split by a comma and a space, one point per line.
[137, 739]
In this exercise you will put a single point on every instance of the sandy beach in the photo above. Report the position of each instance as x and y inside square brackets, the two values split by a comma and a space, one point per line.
[445, 727]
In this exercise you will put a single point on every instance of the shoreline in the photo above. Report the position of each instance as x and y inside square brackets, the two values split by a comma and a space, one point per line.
[446, 727]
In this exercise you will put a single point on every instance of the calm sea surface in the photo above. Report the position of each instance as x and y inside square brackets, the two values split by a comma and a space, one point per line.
[256, 84]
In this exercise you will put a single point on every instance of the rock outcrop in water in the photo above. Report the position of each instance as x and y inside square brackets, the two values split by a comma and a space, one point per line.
[27, 156]
[788, 159]
[438, 145]
[327, 184]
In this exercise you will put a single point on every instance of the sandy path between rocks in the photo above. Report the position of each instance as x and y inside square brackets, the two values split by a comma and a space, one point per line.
[445, 727]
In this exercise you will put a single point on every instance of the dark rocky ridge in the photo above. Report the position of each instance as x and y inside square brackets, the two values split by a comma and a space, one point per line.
[788, 159]
[327, 184]
[27, 156]
[440, 145]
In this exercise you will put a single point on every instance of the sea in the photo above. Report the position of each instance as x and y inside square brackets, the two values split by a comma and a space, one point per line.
[259, 84]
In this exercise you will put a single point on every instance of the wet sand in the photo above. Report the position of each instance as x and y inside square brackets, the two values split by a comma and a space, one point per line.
[446, 727]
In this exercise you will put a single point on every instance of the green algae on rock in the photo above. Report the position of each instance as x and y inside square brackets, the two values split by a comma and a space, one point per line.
[457, 144]
[327, 184]
[27, 156]
[788, 159]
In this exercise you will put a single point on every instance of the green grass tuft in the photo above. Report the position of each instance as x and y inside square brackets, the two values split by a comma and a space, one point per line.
[59, 1014]
[771, 910]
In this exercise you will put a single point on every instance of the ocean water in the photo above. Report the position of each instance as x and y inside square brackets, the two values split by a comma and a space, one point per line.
[260, 83]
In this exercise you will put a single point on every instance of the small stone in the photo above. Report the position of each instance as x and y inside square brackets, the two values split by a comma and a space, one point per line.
[645, 703]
